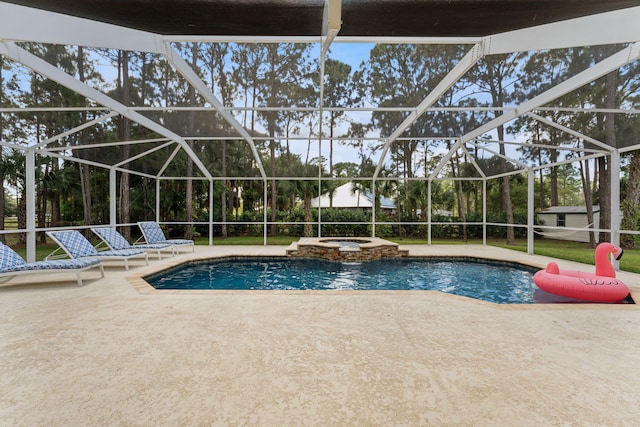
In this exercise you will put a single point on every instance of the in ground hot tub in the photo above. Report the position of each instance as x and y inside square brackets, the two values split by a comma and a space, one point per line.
[349, 249]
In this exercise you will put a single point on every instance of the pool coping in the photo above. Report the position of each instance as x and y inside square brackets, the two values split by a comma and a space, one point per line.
[108, 353]
[138, 282]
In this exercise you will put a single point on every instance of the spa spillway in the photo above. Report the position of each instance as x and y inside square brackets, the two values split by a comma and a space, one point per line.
[345, 249]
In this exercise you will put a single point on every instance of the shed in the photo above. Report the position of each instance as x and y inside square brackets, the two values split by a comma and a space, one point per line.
[570, 217]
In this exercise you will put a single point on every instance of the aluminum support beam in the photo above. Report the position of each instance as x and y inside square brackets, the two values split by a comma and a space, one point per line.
[22, 23]
[474, 163]
[461, 68]
[211, 193]
[495, 153]
[168, 161]
[158, 200]
[30, 190]
[76, 129]
[568, 161]
[185, 69]
[373, 208]
[620, 26]
[530, 211]
[429, 207]
[484, 212]
[264, 213]
[331, 22]
[562, 147]
[57, 155]
[570, 131]
[456, 146]
[615, 198]
[29, 60]
[603, 67]
[103, 165]
[113, 197]
[108, 144]
[143, 154]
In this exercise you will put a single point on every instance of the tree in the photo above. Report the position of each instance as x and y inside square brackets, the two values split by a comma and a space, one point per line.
[8, 89]
[188, 231]
[285, 73]
[124, 133]
[402, 76]
[221, 78]
[631, 201]
[85, 183]
[339, 92]
[494, 75]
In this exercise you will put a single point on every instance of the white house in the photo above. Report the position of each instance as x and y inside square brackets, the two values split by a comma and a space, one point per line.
[568, 216]
[348, 196]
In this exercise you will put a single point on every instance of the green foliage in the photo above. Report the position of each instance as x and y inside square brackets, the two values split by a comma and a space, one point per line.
[283, 75]
[345, 216]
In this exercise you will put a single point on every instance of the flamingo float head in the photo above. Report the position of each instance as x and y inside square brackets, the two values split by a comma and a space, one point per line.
[603, 263]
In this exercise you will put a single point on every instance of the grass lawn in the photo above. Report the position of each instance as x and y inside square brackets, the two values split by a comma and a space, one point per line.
[574, 251]
[247, 240]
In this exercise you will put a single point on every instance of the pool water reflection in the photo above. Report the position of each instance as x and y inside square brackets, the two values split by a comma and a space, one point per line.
[490, 281]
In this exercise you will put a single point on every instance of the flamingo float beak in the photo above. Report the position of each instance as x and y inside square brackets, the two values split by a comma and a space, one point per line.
[618, 253]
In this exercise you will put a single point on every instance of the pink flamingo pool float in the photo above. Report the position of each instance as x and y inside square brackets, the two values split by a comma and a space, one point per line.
[599, 287]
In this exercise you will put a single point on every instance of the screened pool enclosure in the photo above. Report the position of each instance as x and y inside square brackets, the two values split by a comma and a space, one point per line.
[234, 115]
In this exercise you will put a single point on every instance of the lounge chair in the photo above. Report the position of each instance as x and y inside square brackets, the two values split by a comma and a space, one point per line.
[77, 247]
[152, 233]
[12, 265]
[116, 241]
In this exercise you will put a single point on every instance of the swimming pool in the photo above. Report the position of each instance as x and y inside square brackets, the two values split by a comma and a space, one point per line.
[498, 282]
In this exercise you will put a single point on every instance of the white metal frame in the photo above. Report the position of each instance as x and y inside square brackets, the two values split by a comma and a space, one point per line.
[19, 23]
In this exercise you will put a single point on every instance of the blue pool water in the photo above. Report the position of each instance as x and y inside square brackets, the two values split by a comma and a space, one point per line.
[489, 281]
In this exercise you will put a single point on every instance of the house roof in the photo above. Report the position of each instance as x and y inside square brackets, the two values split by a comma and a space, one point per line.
[568, 210]
[348, 196]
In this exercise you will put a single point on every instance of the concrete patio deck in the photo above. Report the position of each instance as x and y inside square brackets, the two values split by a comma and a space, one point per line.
[110, 354]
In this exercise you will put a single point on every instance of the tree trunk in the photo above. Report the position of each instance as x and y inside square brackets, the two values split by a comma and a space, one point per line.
[223, 196]
[308, 217]
[188, 229]
[22, 218]
[41, 206]
[495, 81]
[588, 198]
[605, 170]
[455, 171]
[605, 199]
[553, 178]
[125, 133]
[85, 183]
[271, 129]
[272, 150]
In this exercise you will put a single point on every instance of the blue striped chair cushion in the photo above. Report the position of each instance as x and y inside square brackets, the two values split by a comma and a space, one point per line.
[112, 237]
[151, 246]
[74, 242]
[121, 252]
[152, 232]
[179, 241]
[9, 258]
[62, 264]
